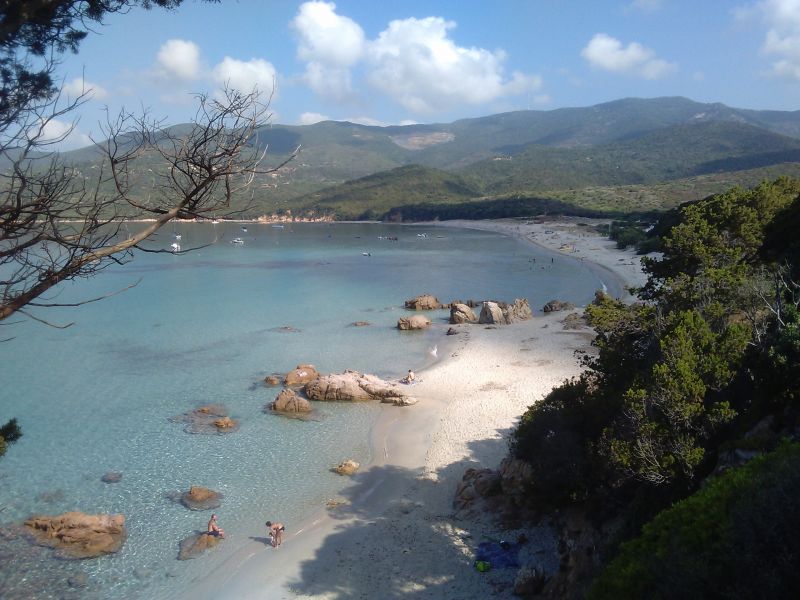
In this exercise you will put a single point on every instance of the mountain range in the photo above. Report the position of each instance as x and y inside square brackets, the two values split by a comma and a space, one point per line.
[568, 155]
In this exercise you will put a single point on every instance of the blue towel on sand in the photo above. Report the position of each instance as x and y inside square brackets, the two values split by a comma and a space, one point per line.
[501, 557]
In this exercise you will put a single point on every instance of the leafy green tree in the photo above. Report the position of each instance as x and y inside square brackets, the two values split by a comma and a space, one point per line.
[671, 409]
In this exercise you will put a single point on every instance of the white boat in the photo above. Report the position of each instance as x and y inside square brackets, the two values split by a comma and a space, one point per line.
[175, 247]
[177, 236]
[244, 229]
[422, 235]
[237, 240]
[278, 226]
[214, 221]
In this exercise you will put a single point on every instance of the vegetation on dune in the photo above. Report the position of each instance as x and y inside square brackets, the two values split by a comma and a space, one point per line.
[680, 378]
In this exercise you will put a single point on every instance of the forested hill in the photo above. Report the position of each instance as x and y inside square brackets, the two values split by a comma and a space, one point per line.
[624, 142]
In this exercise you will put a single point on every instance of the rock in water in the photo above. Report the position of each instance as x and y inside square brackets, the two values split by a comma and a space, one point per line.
[194, 545]
[289, 401]
[301, 375]
[78, 535]
[346, 467]
[200, 498]
[212, 419]
[424, 302]
[273, 379]
[461, 313]
[112, 477]
[413, 322]
[352, 386]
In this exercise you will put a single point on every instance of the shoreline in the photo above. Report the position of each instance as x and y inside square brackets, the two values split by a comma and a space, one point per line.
[395, 531]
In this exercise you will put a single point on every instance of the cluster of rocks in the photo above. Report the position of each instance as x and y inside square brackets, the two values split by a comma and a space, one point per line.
[492, 312]
[350, 386]
[200, 498]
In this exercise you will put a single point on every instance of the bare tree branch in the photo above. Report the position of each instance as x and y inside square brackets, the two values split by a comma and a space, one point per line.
[59, 224]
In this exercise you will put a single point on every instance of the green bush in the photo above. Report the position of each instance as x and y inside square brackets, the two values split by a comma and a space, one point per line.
[735, 538]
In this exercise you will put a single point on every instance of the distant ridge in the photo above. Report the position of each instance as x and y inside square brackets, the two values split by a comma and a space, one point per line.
[628, 141]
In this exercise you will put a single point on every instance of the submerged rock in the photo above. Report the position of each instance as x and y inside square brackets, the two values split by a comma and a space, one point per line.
[78, 535]
[301, 375]
[273, 379]
[112, 477]
[352, 386]
[413, 322]
[209, 420]
[360, 324]
[196, 544]
[200, 498]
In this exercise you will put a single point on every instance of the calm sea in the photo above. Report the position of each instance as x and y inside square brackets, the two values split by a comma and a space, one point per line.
[205, 328]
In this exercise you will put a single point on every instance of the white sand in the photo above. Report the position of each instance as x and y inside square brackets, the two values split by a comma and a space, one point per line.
[395, 533]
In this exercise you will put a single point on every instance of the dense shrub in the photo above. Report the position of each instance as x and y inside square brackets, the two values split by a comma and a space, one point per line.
[735, 538]
[555, 437]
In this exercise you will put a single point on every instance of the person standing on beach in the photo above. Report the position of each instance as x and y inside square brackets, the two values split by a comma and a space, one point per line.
[275, 531]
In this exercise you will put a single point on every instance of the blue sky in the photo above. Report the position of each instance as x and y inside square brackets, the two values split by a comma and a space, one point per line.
[436, 61]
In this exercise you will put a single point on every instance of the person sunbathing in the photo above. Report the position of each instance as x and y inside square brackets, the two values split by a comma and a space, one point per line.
[408, 378]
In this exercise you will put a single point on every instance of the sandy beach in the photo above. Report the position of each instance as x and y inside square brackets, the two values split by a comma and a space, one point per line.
[393, 532]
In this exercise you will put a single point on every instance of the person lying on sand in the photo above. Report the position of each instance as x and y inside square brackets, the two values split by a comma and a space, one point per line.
[408, 378]
[275, 531]
[214, 529]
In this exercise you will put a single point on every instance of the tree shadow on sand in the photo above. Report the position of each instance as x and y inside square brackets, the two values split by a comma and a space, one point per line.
[398, 536]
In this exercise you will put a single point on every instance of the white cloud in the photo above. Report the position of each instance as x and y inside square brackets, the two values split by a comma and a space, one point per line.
[782, 40]
[417, 64]
[608, 53]
[60, 135]
[309, 118]
[179, 59]
[330, 82]
[245, 76]
[79, 86]
[330, 44]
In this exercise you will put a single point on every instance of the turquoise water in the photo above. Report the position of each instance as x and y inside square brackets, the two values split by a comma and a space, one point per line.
[205, 328]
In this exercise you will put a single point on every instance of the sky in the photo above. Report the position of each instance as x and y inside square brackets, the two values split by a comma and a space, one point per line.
[434, 61]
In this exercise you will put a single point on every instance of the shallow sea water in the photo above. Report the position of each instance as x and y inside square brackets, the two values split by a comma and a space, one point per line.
[205, 328]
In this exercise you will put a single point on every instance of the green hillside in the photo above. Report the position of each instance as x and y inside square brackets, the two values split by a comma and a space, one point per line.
[568, 155]
[671, 153]
[373, 196]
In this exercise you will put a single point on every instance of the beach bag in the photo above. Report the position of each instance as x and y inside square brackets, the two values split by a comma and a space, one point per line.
[483, 565]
